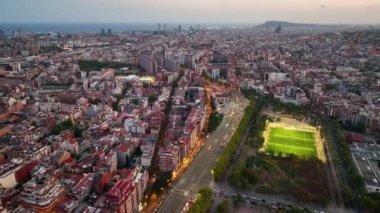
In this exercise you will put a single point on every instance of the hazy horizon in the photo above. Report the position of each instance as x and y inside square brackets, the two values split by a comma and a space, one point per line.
[190, 11]
[186, 23]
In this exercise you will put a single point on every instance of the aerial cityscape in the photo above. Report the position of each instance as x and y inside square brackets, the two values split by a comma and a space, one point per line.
[176, 106]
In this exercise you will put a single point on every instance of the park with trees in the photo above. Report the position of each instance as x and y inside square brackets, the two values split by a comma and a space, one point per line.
[248, 169]
[68, 125]
[93, 65]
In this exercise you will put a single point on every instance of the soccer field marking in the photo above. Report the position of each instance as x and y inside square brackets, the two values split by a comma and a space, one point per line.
[292, 147]
[289, 141]
[299, 133]
[300, 137]
[274, 143]
[291, 138]
[294, 139]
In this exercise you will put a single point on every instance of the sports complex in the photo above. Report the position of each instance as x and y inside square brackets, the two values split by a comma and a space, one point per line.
[297, 138]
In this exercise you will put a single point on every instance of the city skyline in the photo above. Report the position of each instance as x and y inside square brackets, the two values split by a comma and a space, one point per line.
[171, 11]
[189, 106]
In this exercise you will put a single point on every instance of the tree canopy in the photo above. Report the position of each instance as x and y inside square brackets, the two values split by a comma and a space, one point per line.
[203, 201]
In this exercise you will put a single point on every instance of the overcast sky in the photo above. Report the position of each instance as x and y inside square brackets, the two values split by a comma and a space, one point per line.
[190, 11]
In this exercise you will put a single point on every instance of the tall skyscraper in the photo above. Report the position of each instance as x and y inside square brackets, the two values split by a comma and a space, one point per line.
[159, 26]
[102, 32]
[165, 27]
[179, 28]
[278, 29]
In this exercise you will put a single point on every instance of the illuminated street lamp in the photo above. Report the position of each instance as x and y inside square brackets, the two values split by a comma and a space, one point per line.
[153, 196]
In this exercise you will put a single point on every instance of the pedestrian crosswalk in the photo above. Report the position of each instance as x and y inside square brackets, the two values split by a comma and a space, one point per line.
[185, 193]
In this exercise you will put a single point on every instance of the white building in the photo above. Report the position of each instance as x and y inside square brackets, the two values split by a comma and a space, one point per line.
[276, 76]
[215, 73]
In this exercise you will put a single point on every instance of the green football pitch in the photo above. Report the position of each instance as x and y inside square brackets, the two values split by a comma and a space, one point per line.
[295, 142]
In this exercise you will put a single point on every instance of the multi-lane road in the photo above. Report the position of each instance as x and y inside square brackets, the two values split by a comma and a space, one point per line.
[198, 173]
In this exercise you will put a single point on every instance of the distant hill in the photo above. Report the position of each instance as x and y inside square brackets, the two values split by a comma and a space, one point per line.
[272, 25]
